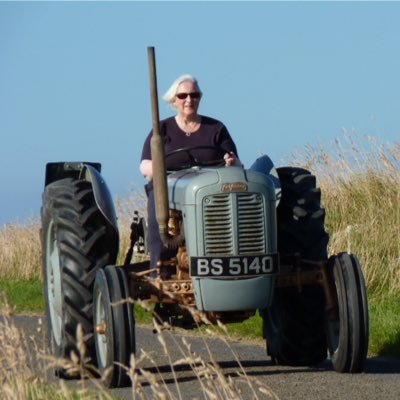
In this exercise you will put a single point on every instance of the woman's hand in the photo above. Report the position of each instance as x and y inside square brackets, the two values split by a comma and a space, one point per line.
[231, 159]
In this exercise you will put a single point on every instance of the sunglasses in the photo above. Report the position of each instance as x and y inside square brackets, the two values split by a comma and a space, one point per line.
[183, 96]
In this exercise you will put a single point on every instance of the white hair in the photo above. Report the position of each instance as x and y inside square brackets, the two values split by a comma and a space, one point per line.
[169, 96]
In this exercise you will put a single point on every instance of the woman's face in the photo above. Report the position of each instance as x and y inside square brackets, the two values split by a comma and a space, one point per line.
[187, 107]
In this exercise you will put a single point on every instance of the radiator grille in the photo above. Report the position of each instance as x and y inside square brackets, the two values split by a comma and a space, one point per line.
[251, 224]
[234, 212]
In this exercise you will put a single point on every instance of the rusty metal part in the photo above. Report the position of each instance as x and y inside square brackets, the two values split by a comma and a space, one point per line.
[174, 291]
[144, 273]
[183, 264]
[162, 291]
[167, 263]
[174, 222]
[177, 287]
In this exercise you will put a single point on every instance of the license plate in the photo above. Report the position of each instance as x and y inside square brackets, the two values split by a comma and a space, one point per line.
[266, 264]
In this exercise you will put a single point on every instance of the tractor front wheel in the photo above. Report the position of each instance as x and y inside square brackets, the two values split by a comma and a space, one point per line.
[348, 333]
[114, 326]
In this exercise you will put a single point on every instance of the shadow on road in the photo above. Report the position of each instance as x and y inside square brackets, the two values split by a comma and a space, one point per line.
[229, 368]
[382, 366]
[256, 368]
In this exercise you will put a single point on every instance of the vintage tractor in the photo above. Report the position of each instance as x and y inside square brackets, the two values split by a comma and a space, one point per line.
[243, 240]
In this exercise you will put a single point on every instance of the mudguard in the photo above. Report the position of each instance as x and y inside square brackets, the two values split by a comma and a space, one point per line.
[265, 166]
[89, 172]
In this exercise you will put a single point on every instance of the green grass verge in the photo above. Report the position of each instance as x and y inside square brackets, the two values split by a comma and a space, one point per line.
[26, 297]
[249, 329]
[385, 325]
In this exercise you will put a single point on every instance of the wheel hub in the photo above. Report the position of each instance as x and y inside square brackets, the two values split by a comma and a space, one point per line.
[101, 328]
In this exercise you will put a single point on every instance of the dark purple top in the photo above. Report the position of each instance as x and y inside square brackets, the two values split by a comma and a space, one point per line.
[212, 133]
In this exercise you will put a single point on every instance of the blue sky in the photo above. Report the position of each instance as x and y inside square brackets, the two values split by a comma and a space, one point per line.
[74, 80]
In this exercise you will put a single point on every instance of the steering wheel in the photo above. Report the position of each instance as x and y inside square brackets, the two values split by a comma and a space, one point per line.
[194, 161]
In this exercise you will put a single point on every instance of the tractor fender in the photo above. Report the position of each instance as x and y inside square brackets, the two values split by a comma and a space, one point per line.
[265, 166]
[89, 172]
[101, 193]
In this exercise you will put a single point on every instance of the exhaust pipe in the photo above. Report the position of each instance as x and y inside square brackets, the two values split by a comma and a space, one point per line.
[158, 161]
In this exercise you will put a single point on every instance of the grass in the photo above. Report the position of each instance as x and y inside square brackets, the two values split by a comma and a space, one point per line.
[20, 252]
[25, 296]
[360, 183]
[24, 368]
[251, 329]
[385, 325]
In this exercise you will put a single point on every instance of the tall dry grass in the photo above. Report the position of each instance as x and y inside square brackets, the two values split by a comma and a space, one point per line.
[20, 252]
[26, 370]
[360, 182]
[24, 366]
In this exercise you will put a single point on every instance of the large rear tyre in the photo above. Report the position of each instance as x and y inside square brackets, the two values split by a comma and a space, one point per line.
[348, 335]
[76, 242]
[294, 325]
[114, 325]
[301, 219]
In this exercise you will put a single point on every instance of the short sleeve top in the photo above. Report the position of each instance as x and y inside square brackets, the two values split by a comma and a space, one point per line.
[212, 133]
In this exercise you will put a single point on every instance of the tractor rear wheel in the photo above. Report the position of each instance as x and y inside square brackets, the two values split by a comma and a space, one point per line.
[76, 242]
[294, 325]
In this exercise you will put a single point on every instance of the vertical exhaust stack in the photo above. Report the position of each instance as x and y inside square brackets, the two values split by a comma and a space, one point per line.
[157, 152]
[158, 161]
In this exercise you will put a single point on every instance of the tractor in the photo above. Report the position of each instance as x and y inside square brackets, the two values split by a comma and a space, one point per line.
[243, 241]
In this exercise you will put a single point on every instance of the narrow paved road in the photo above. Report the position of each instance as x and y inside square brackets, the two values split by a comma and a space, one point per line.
[247, 365]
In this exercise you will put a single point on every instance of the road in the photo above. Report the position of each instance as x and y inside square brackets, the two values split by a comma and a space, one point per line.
[235, 369]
